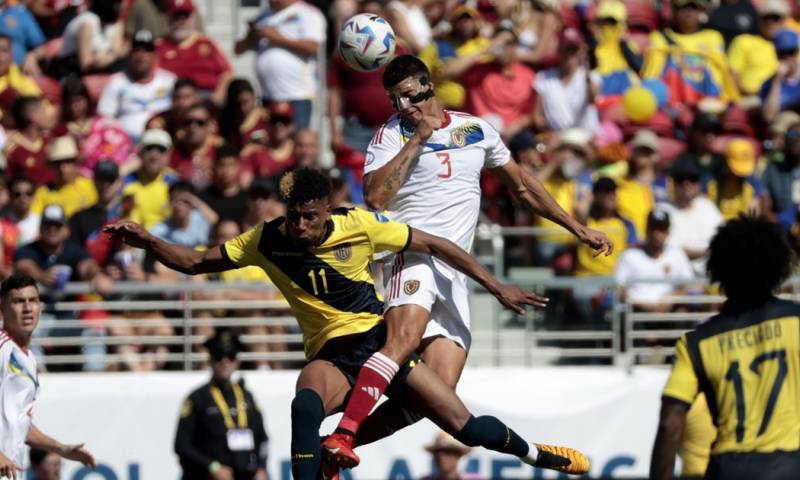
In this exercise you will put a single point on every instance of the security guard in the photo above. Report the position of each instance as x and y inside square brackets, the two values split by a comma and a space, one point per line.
[221, 432]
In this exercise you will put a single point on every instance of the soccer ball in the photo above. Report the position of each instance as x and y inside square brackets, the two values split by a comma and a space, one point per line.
[366, 42]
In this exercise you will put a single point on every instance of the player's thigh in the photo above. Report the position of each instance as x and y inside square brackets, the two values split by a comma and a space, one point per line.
[405, 325]
[327, 381]
[427, 394]
[445, 357]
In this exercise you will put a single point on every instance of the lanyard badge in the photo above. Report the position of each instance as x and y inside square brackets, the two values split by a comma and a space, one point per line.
[239, 437]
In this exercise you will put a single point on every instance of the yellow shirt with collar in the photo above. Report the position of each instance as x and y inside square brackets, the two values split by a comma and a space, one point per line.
[72, 197]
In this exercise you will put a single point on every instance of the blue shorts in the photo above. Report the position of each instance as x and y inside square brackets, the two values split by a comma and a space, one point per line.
[351, 352]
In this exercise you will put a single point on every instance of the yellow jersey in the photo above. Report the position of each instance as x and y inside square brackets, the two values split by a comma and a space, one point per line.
[72, 197]
[698, 436]
[620, 231]
[329, 287]
[753, 58]
[748, 366]
[450, 92]
[150, 200]
[635, 200]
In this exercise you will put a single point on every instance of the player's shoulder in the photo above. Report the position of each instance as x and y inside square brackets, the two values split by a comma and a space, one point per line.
[463, 120]
[357, 218]
[731, 319]
[6, 345]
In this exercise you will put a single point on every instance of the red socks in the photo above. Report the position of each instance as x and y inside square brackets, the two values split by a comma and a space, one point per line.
[373, 378]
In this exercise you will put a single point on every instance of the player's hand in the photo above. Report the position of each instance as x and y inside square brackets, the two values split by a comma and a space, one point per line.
[426, 127]
[8, 468]
[224, 473]
[516, 299]
[599, 241]
[269, 33]
[129, 232]
[79, 453]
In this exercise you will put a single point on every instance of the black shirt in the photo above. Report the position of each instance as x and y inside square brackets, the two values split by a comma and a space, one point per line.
[202, 436]
[228, 208]
[732, 20]
[71, 255]
[87, 223]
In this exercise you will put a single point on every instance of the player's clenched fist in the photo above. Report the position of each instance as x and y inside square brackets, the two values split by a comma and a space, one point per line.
[427, 125]
[129, 232]
[8, 469]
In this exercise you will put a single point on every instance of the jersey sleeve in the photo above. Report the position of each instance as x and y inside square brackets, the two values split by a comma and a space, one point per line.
[497, 154]
[243, 249]
[385, 144]
[384, 235]
[682, 384]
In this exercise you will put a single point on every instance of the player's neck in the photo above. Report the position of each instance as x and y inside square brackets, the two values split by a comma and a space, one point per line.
[23, 340]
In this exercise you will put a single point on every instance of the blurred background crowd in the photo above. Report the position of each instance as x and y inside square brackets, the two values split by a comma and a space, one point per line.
[652, 120]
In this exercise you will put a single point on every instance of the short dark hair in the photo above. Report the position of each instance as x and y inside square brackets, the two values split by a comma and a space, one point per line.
[15, 282]
[22, 108]
[403, 67]
[184, 82]
[181, 186]
[304, 185]
[226, 150]
[750, 258]
[5, 36]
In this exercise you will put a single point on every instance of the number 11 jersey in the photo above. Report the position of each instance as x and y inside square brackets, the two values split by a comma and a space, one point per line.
[748, 366]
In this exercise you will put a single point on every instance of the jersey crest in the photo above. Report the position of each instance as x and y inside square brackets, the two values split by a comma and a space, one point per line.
[343, 252]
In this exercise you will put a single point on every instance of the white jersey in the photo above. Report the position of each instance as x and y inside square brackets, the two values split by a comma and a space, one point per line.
[134, 103]
[19, 387]
[441, 194]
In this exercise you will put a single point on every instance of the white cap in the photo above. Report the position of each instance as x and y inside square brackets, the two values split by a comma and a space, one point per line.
[156, 136]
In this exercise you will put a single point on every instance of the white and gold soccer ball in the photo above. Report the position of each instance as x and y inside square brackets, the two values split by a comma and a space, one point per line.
[366, 42]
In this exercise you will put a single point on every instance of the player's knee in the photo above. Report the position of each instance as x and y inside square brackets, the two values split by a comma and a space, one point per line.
[307, 408]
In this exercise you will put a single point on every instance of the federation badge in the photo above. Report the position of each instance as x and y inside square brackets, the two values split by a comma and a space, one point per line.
[410, 287]
[343, 252]
[458, 137]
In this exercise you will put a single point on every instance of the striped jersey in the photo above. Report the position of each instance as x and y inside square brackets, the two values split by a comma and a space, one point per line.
[19, 387]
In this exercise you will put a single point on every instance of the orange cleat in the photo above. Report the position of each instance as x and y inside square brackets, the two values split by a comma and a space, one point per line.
[338, 449]
[563, 459]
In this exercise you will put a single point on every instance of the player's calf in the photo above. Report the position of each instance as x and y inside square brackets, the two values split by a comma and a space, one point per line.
[308, 412]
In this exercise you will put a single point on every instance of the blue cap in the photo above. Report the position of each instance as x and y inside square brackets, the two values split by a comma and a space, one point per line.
[786, 40]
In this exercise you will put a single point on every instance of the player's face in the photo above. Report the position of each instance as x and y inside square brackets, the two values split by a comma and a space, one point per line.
[21, 308]
[409, 98]
[305, 223]
[222, 368]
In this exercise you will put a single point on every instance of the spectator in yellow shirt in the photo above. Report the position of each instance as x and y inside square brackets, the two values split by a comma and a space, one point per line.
[449, 58]
[635, 198]
[11, 76]
[69, 190]
[690, 60]
[752, 58]
[148, 189]
[736, 190]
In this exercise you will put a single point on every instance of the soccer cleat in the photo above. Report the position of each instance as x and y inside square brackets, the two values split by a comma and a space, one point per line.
[563, 459]
[338, 449]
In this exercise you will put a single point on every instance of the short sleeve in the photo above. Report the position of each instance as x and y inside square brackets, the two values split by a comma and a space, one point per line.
[682, 383]
[243, 249]
[622, 272]
[385, 144]
[384, 235]
[497, 154]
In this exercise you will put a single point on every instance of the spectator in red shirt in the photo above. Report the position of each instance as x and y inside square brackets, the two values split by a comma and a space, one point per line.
[501, 92]
[25, 148]
[242, 120]
[195, 146]
[276, 157]
[184, 95]
[188, 53]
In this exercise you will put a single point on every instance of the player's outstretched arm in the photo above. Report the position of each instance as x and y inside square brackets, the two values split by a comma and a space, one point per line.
[530, 191]
[78, 452]
[176, 257]
[512, 297]
[670, 429]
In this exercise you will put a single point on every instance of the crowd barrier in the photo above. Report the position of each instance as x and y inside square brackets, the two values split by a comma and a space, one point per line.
[129, 421]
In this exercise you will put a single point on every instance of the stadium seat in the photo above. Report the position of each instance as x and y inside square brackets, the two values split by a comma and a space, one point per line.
[95, 85]
[737, 121]
[669, 148]
[51, 89]
[642, 15]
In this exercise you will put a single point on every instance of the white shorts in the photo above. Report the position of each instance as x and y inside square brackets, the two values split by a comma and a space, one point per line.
[421, 280]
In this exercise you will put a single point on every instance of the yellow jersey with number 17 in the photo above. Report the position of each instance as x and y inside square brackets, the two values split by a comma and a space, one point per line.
[329, 286]
[748, 366]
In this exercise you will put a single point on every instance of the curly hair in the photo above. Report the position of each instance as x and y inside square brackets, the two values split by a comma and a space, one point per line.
[750, 258]
[304, 185]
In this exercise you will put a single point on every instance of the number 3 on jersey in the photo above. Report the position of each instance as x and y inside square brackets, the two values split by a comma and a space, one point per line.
[446, 162]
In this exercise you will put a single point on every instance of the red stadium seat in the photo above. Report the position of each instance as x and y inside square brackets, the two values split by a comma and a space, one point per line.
[669, 148]
[570, 17]
[642, 15]
[95, 85]
[737, 121]
[51, 89]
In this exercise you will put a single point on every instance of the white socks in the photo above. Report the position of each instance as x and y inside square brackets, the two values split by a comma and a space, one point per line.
[532, 456]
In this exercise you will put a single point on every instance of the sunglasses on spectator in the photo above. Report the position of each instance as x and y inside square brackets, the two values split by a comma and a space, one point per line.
[280, 120]
[217, 357]
[22, 193]
[771, 18]
[200, 122]
[608, 21]
[147, 47]
[684, 179]
[158, 148]
[787, 54]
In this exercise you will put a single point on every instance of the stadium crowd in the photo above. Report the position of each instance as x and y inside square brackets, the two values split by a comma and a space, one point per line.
[654, 121]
